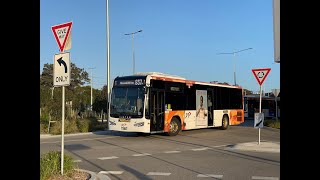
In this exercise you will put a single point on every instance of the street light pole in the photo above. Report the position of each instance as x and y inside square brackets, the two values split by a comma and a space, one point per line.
[234, 55]
[91, 88]
[108, 59]
[133, 58]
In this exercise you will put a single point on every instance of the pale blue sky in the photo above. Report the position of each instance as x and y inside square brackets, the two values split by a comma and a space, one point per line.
[180, 37]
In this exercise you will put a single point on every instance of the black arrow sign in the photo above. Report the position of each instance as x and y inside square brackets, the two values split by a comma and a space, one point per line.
[258, 123]
[60, 61]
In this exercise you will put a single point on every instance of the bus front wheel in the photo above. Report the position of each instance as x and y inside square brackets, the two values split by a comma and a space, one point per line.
[175, 127]
[225, 122]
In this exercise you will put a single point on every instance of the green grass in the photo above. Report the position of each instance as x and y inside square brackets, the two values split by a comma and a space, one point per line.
[272, 123]
[50, 164]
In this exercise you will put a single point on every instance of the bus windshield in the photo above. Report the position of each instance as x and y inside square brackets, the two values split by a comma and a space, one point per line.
[127, 101]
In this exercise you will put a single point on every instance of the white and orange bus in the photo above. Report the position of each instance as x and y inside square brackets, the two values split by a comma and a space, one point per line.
[161, 103]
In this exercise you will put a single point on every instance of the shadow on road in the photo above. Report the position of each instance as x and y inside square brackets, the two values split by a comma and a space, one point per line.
[136, 173]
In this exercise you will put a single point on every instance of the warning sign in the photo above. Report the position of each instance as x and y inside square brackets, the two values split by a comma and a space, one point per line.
[261, 74]
[61, 33]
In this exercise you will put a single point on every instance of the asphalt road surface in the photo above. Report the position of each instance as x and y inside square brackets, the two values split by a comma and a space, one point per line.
[194, 154]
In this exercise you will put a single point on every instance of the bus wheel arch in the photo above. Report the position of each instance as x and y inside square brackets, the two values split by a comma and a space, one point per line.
[175, 126]
[225, 122]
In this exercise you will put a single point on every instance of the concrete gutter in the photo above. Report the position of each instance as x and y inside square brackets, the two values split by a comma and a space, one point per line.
[46, 136]
[94, 176]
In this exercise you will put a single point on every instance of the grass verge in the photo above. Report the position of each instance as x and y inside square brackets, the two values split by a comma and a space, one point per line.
[272, 123]
[50, 165]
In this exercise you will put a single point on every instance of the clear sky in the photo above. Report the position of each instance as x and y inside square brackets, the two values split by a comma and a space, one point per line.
[181, 37]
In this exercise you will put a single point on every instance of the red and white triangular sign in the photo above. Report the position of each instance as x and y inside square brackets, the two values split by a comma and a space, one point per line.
[61, 33]
[261, 74]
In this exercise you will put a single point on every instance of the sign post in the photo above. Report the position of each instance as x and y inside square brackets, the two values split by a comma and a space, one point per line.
[260, 75]
[61, 71]
[276, 93]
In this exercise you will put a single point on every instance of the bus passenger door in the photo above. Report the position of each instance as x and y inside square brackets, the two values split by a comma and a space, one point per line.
[210, 107]
[157, 110]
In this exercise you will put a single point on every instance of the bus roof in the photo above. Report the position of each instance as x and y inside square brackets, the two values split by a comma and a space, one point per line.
[158, 74]
[174, 78]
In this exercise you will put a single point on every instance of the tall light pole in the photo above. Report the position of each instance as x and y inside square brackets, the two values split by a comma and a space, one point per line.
[108, 59]
[133, 60]
[234, 55]
[91, 87]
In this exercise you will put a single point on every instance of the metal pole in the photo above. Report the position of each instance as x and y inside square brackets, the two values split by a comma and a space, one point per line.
[235, 81]
[276, 108]
[91, 90]
[260, 108]
[108, 60]
[52, 92]
[62, 132]
[234, 54]
[133, 64]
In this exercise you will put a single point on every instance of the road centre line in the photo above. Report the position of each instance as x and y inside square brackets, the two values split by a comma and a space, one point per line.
[210, 175]
[200, 149]
[265, 178]
[158, 174]
[111, 157]
[110, 172]
[168, 152]
[143, 154]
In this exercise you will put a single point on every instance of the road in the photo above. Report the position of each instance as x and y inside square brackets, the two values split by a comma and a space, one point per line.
[194, 154]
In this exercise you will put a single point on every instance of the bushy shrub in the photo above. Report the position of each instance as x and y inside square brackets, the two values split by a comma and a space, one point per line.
[43, 128]
[77, 125]
[83, 125]
[272, 123]
[70, 126]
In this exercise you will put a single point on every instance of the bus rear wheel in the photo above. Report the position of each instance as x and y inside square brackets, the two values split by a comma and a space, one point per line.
[175, 127]
[225, 123]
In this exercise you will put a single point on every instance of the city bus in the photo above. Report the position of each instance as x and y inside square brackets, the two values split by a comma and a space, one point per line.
[268, 106]
[155, 102]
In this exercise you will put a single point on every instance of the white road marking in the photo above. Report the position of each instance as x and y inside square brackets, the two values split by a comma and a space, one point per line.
[78, 160]
[210, 175]
[201, 149]
[110, 172]
[77, 140]
[265, 178]
[143, 154]
[172, 151]
[111, 157]
[158, 174]
[102, 177]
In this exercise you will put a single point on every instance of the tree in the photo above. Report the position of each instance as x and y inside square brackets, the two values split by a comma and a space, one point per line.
[101, 101]
[80, 96]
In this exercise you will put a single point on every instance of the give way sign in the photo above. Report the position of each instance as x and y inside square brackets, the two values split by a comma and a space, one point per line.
[261, 74]
[61, 33]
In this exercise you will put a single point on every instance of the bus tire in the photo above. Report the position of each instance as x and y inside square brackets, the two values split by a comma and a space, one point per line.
[175, 127]
[225, 122]
[143, 134]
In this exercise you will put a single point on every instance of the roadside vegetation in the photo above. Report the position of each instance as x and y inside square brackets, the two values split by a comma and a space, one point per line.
[78, 114]
[272, 123]
[50, 167]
